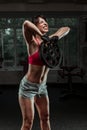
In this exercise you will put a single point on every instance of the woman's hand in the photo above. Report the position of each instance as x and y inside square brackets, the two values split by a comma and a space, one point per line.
[45, 38]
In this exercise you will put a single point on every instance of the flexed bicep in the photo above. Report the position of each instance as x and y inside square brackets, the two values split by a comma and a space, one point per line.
[29, 30]
[27, 34]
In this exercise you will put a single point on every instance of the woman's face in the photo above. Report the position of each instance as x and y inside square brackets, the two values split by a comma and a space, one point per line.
[42, 25]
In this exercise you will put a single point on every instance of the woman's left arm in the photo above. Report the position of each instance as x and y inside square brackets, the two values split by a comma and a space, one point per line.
[63, 31]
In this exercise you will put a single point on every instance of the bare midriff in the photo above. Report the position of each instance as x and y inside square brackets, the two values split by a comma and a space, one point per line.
[37, 74]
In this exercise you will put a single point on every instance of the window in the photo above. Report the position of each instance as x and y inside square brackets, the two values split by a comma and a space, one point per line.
[13, 48]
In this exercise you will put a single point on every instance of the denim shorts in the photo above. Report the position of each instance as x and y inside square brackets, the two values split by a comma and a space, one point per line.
[29, 89]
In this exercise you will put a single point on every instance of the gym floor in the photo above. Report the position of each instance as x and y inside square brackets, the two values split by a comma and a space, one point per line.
[68, 112]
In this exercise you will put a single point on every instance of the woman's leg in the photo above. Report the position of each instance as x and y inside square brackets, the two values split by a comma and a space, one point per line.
[27, 109]
[42, 105]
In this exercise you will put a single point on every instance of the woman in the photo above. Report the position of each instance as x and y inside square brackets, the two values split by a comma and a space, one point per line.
[33, 88]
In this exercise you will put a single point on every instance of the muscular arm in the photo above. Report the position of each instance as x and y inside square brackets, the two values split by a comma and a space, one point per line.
[29, 30]
[63, 31]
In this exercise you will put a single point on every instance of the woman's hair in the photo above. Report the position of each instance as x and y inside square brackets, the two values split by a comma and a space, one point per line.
[35, 19]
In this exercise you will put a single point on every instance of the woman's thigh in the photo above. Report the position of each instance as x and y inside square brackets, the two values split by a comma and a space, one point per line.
[27, 107]
[42, 105]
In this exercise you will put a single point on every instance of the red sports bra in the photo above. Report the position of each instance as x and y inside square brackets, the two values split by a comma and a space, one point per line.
[35, 59]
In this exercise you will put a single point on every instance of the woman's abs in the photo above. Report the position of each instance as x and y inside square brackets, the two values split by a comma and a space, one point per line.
[36, 76]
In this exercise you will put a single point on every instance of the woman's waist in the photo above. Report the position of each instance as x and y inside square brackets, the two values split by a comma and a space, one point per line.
[34, 80]
[36, 74]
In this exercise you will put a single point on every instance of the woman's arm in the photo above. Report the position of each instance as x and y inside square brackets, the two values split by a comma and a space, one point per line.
[63, 31]
[29, 30]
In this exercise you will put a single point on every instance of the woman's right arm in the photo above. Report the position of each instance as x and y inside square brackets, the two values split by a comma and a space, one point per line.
[29, 30]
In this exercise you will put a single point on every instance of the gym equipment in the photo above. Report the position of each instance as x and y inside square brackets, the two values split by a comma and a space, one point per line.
[50, 52]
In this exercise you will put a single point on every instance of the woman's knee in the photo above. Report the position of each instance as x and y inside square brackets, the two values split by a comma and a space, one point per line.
[27, 122]
[45, 117]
